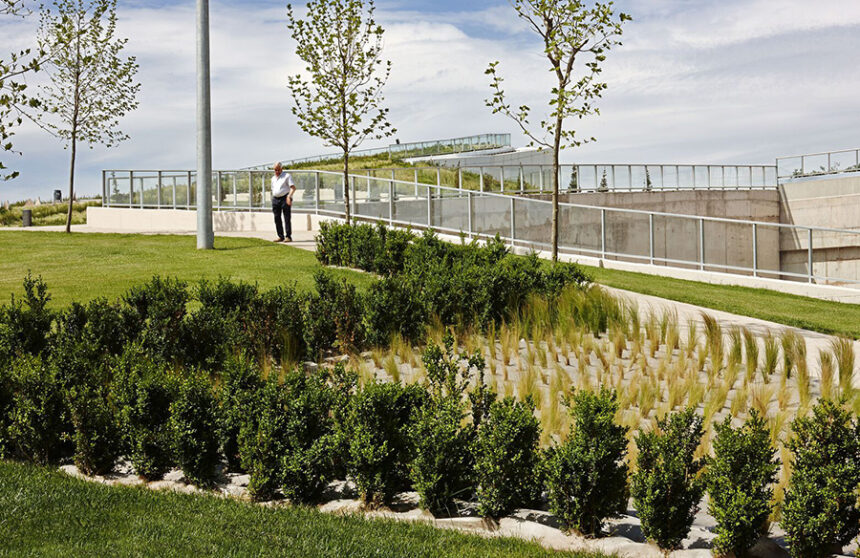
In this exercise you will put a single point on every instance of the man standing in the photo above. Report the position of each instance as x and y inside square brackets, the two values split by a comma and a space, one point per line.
[282, 201]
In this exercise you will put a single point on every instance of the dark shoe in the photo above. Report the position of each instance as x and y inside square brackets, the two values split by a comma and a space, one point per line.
[278, 240]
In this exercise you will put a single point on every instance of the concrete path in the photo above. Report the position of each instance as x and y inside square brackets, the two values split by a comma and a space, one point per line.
[686, 312]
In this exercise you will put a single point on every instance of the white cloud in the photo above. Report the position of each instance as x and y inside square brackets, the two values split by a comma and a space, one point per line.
[734, 81]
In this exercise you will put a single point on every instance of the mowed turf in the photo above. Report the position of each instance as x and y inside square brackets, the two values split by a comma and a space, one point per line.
[45, 513]
[80, 267]
[792, 310]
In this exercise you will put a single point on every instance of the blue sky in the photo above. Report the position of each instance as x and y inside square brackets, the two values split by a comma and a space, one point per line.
[729, 81]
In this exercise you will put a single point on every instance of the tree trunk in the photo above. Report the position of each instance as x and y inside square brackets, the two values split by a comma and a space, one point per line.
[556, 149]
[71, 183]
[346, 184]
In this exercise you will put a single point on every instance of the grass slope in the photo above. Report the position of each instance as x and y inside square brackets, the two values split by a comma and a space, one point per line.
[798, 311]
[44, 513]
[81, 267]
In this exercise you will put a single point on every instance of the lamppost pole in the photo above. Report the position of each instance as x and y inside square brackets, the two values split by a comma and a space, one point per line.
[205, 235]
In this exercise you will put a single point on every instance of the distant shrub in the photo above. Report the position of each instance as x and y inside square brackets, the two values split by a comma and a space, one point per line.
[38, 420]
[667, 487]
[225, 296]
[740, 480]
[334, 317]
[442, 462]
[157, 309]
[587, 474]
[469, 284]
[25, 325]
[507, 457]
[276, 324]
[308, 458]
[821, 513]
[393, 307]
[143, 394]
[377, 429]
[193, 426]
[208, 337]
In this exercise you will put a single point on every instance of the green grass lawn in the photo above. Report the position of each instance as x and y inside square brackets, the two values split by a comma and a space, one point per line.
[803, 312]
[84, 266]
[45, 513]
[80, 267]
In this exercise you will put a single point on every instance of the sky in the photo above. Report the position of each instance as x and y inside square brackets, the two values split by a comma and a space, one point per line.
[695, 81]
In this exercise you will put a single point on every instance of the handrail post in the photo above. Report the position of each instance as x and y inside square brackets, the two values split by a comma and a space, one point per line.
[755, 249]
[522, 179]
[142, 191]
[352, 195]
[105, 197]
[174, 191]
[416, 182]
[651, 237]
[130, 189]
[250, 190]
[701, 244]
[502, 177]
[513, 223]
[809, 254]
[158, 193]
[630, 177]
[217, 190]
[540, 167]
[603, 234]
[391, 203]
[316, 192]
[481, 169]
[235, 194]
[438, 176]
[469, 207]
[429, 206]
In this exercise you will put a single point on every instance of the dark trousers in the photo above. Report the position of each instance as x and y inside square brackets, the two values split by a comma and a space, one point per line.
[279, 206]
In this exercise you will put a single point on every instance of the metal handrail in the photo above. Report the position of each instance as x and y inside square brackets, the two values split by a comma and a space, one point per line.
[436, 193]
[830, 168]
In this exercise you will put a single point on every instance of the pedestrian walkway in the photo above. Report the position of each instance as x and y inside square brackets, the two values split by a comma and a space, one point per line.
[686, 312]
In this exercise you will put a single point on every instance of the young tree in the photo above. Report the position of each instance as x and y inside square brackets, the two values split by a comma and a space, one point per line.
[14, 100]
[341, 46]
[570, 30]
[91, 85]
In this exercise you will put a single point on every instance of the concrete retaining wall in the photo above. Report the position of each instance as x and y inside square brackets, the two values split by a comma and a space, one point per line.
[833, 202]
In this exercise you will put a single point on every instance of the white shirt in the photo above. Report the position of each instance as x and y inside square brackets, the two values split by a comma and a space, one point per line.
[281, 184]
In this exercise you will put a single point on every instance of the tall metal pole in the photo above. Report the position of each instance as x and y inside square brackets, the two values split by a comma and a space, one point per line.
[205, 235]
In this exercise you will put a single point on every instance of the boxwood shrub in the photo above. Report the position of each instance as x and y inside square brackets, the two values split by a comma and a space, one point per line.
[442, 461]
[377, 428]
[587, 474]
[308, 456]
[144, 392]
[194, 429]
[740, 481]
[667, 487]
[238, 402]
[821, 512]
[507, 457]
[262, 439]
[38, 418]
